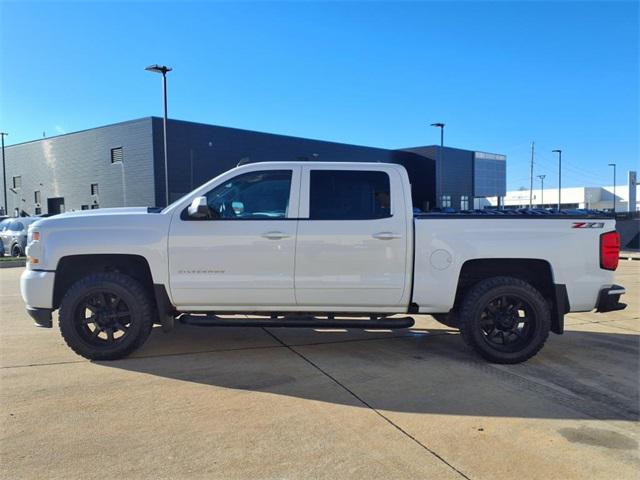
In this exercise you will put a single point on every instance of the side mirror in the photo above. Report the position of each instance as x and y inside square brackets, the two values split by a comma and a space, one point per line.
[199, 208]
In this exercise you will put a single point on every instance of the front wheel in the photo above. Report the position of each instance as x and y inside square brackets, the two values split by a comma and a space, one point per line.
[105, 316]
[504, 319]
[16, 250]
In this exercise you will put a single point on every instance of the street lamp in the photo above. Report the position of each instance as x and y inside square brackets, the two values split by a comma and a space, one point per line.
[541, 177]
[439, 125]
[163, 70]
[614, 186]
[559, 152]
[4, 175]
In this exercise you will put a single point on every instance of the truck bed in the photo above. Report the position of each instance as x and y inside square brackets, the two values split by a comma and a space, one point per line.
[568, 244]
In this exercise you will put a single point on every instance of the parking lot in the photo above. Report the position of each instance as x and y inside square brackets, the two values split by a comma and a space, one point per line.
[301, 403]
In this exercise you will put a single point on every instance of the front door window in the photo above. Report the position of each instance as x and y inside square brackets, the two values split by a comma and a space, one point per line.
[251, 196]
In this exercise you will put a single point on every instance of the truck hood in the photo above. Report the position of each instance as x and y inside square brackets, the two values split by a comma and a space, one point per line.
[113, 231]
[102, 211]
[100, 218]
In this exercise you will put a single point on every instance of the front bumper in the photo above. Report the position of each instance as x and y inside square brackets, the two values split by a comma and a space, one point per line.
[609, 299]
[42, 316]
[36, 287]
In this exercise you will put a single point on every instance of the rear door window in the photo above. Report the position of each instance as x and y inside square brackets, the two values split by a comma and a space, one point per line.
[349, 195]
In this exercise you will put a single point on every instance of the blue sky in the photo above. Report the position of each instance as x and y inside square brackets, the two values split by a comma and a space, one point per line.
[500, 74]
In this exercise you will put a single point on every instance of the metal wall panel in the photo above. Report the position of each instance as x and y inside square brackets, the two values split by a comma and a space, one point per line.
[199, 152]
[456, 171]
[489, 175]
[66, 166]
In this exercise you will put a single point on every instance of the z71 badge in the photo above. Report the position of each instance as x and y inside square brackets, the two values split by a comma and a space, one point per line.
[588, 225]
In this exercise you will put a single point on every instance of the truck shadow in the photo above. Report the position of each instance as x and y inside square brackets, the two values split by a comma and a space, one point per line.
[579, 375]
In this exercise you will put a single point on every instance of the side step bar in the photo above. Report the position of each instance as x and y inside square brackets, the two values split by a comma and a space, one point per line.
[298, 322]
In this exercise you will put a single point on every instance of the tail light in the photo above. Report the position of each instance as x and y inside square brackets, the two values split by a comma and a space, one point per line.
[609, 250]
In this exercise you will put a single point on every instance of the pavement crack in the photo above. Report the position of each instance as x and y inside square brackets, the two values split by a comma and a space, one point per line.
[366, 404]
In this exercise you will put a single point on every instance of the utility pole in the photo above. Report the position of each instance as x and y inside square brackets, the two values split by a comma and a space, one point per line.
[559, 152]
[531, 187]
[4, 175]
[163, 69]
[614, 187]
[439, 125]
[541, 177]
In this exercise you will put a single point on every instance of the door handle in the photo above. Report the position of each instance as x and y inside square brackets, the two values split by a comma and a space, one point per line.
[275, 235]
[386, 235]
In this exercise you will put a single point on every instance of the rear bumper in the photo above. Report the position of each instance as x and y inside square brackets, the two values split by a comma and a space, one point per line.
[609, 299]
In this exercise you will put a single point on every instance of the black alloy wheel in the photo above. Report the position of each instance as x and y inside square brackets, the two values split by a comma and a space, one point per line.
[508, 323]
[504, 319]
[102, 317]
[106, 315]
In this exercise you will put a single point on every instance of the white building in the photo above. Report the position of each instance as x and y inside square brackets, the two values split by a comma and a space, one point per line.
[595, 198]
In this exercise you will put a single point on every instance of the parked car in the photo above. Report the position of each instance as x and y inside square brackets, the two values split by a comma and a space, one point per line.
[334, 239]
[3, 224]
[14, 235]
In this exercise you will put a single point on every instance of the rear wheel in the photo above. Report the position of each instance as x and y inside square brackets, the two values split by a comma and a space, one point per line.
[504, 319]
[105, 316]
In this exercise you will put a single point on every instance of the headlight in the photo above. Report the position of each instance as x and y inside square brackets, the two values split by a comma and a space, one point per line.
[34, 248]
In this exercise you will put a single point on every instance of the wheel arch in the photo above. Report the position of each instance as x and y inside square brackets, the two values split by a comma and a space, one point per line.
[74, 267]
[15, 244]
[537, 272]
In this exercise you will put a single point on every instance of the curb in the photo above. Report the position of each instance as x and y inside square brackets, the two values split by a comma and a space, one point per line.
[13, 263]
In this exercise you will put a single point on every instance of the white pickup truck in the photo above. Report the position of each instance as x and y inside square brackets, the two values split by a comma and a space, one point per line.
[303, 244]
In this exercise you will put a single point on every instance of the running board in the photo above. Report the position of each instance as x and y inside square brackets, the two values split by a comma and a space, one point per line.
[297, 322]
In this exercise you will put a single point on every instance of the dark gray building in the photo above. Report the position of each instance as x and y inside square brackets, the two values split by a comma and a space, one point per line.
[123, 165]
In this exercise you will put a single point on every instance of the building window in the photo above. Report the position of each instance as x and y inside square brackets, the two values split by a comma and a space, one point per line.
[116, 155]
[349, 195]
[445, 201]
[94, 189]
[95, 206]
[36, 196]
[17, 182]
[84, 207]
[38, 211]
[464, 202]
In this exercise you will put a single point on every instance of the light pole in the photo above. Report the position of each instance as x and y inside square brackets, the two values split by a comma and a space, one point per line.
[541, 177]
[614, 186]
[163, 70]
[559, 152]
[4, 174]
[439, 125]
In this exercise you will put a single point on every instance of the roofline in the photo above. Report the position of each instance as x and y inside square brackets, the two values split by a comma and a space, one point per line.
[411, 149]
[276, 134]
[79, 131]
[174, 120]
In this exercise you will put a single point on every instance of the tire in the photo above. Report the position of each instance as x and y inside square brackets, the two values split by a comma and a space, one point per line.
[106, 316]
[16, 250]
[504, 319]
[449, 319]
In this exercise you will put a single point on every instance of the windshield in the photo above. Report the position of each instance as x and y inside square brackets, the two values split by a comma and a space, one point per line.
[16, 226]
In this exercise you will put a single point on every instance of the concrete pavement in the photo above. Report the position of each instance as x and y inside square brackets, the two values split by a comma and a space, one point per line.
[300, 403]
